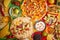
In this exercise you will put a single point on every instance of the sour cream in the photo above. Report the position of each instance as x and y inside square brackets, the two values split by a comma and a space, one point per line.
[40, 26]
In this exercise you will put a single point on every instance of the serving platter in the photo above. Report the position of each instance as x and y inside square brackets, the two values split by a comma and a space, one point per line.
[30, 20]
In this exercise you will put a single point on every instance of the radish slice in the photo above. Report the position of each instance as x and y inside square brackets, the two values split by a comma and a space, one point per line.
[40, 26]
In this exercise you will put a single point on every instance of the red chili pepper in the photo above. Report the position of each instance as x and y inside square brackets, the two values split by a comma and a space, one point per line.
[1, 10]
[2, 13]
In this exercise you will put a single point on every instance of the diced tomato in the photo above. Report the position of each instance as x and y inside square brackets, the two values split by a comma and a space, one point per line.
[14, 32]
[44, 38]
[37, 14]
[24, 2]
[27, 29]
[20, 26]
[43, 20]
[56, 15]
[12, 28]
[58, 22]
[19, 33]
[38, 0]
[47, 24]
[17, 3]
[10, 36]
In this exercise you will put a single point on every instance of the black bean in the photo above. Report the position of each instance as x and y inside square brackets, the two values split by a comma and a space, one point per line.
[37, 37]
